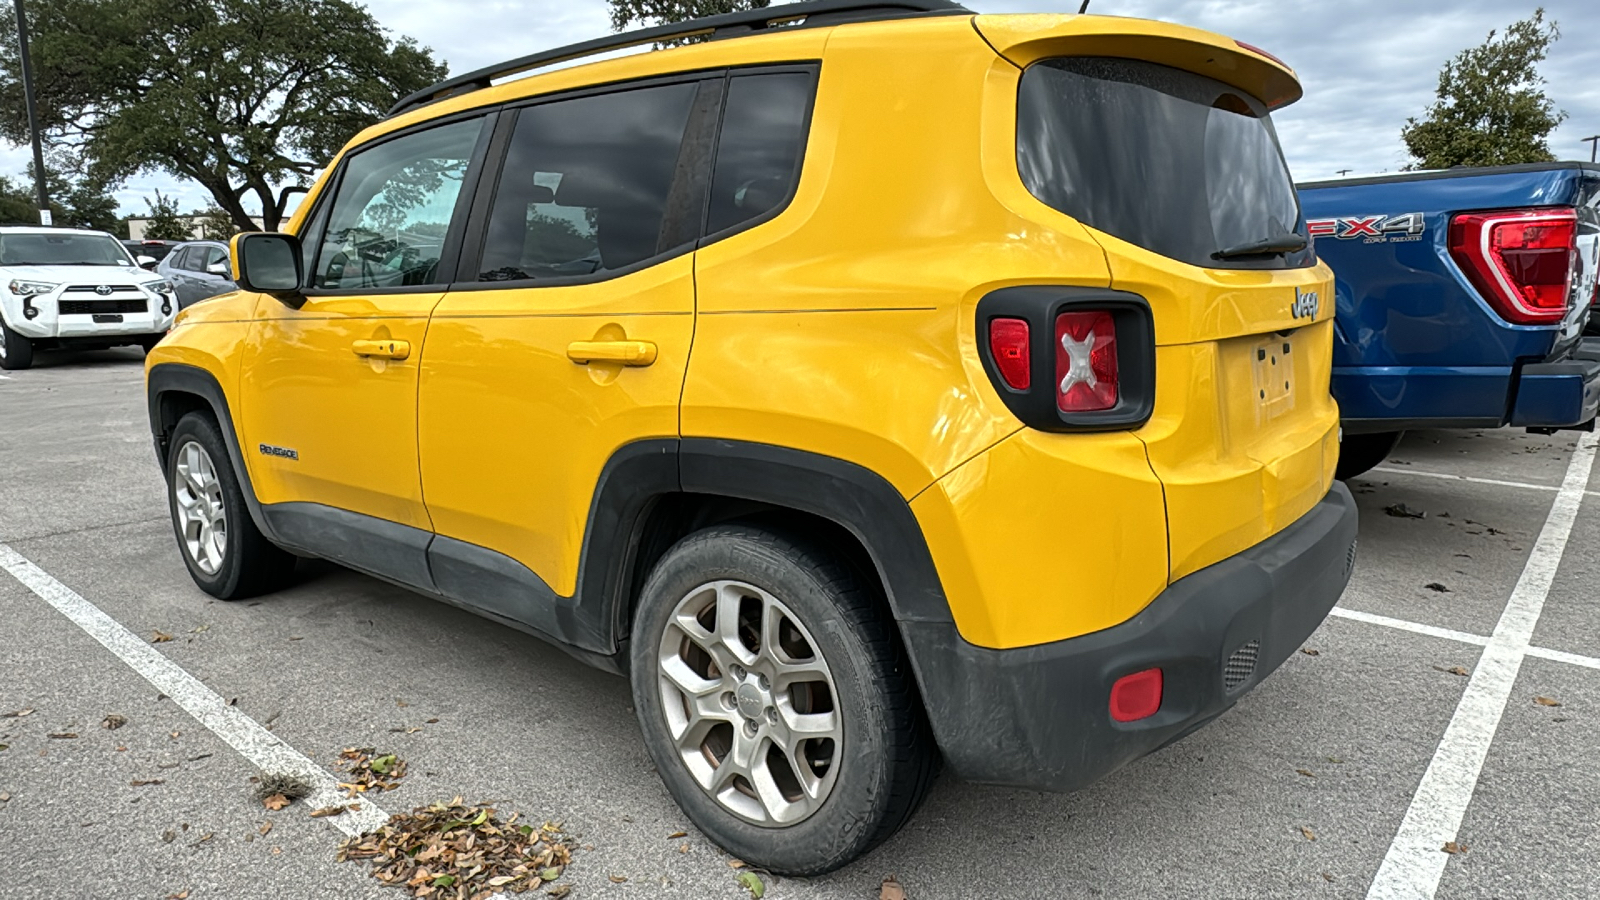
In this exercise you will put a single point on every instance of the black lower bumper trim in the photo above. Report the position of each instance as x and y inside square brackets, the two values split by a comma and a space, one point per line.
[1038, 717]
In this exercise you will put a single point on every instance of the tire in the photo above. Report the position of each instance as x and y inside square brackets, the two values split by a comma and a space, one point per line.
[1360, 452]
[201, 482]
[881, 760]
[16, 351]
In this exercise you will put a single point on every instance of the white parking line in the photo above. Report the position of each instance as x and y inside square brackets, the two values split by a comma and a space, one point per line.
[1448, 634]
[1523, 485]
[244, 734]
[1416, 860]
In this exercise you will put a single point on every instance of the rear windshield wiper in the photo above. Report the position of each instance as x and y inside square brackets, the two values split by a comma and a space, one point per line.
[1287, 242]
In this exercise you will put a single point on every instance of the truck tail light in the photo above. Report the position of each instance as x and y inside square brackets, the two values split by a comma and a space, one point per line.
[1521, 261]
[1086, 361]
[1136, 696]
[1008, 342]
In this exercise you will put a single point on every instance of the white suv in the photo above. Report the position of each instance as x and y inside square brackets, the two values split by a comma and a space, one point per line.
[70, 288]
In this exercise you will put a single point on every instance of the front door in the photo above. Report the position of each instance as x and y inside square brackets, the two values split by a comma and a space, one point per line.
[329, 390]
[567, 340]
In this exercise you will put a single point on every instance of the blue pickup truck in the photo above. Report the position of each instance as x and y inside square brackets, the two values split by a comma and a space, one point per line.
[1462, 299]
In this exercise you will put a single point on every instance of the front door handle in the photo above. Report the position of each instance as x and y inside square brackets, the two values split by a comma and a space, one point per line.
[382, 349]
[629, 353]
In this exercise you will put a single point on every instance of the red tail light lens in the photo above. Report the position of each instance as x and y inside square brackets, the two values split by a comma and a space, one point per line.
[1008, 342]
[1520, 261]
[1136, 696]
[1086, 361]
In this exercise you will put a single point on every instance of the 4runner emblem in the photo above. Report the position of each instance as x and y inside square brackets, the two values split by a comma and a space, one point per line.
[103, 290]
[1306, 304]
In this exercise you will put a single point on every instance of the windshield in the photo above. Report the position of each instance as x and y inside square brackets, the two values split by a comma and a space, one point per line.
[1174, 162]
[61, 250]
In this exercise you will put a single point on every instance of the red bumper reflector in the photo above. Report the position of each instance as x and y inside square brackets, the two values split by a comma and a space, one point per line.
[1136, 696]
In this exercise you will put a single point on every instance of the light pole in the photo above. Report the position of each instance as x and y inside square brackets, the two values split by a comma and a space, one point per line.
[33, 116]
[1593, 140]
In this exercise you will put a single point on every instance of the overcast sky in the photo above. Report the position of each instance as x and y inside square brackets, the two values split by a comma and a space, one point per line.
[1365, 64]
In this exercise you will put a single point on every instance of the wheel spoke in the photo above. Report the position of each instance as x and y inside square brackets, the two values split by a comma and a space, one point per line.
[729, 599]
[803, 726]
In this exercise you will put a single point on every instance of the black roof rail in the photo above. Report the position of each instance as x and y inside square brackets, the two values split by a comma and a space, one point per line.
[812, 12]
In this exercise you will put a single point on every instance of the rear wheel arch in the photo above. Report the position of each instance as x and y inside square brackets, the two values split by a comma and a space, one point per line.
[654, 493]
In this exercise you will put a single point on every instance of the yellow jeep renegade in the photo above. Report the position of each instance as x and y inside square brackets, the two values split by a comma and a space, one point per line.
[871, 381]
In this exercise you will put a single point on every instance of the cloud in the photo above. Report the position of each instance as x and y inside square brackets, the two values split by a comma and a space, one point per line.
[1366, 65]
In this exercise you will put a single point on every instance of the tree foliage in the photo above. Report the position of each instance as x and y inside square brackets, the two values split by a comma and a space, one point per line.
[659, 12]
[81, 204]
[216, 225]
[164, 222]
[250, 98]
[1491, 108]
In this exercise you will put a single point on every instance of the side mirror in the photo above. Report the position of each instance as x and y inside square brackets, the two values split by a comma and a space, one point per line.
[147, 262]
[269, 263]
[218, 268]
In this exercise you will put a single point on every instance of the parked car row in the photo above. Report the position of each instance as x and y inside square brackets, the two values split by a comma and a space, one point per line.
[75, 289]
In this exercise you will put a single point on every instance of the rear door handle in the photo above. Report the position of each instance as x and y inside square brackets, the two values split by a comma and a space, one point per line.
[382, 349]
[629, 353]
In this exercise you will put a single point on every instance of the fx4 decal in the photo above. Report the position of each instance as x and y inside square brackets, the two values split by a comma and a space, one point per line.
[1371, 229]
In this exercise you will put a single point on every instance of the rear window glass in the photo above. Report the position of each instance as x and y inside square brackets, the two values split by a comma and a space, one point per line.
[758, 153]
[1174, 162]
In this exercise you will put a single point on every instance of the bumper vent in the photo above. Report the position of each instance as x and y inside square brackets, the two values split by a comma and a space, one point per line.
[90, 307]
[1350, 561]
[1240, 666]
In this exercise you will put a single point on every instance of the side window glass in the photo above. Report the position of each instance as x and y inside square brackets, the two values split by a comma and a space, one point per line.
[387, 224]
[586, 185]
[214, 255]
[178, 258]
[758, 152]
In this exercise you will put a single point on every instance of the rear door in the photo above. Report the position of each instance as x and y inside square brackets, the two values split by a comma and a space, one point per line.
[1180, 178]
[566, 336]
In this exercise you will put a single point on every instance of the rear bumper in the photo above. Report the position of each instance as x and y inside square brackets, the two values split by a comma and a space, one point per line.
[1560, 394]
[1037, 717]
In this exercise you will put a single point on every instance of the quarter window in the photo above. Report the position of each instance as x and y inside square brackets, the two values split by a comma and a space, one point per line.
[758, 152]
[587, 185]
[387, 225]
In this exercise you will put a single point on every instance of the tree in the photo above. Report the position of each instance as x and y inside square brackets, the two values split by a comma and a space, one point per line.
[216, 225]
[250, 98]
[660, 12]
[81, 204]
[164, 223]
[1491, 108]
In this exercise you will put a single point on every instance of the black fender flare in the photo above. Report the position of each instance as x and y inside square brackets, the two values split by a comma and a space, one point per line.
[165, 379]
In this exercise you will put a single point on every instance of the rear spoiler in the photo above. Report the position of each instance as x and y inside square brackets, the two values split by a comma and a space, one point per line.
[1026, 39]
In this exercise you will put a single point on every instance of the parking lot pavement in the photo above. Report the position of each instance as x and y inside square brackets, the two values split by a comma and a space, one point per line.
[1297, 792]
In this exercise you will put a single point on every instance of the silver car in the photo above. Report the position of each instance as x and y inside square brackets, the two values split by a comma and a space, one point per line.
[197, 270]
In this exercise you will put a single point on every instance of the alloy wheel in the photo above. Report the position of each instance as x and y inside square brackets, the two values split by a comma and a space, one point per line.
[750, 703]
[202, 517]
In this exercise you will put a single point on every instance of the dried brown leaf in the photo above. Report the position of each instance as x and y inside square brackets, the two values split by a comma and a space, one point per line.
[677, 834]
[891, 890]
[323, 812]
[275, 802]
[1542, 701]
[559, 891]
[141, 783]
[64, 735]
[1310, 652]
[735, 863]
[1454, 670]
[181, 895]
[1307, 833]
[113, 722]
[17, 714]
[160, 637]
[1305, 772]
[265, 828]
[617, 879]
[1452, 848]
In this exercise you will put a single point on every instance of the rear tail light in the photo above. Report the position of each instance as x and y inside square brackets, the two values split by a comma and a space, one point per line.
[1521, 261]
[1086, 361]
[1136, 696]
[1068, 359]
[1008, 343]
